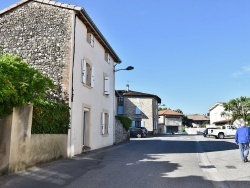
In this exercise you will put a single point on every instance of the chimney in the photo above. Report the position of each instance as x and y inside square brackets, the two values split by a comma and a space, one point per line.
[127, 88]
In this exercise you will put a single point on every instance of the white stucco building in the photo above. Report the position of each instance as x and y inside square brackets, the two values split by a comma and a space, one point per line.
[63, 42]
[215, 115]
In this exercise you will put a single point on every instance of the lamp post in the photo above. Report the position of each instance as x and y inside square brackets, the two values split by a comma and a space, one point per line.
[128, 68]
[114, 111]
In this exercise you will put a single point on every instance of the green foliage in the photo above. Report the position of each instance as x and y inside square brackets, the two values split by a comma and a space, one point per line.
[19, 84]
[187, 122]
[125, 121]
[238, 108]
[179, 111]
[204, 124]
[50, 118]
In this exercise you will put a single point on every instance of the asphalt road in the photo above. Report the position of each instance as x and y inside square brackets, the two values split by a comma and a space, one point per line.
[183, 161]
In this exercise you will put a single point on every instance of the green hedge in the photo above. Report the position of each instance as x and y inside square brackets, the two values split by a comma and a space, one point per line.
[125, 121]
[50, 118]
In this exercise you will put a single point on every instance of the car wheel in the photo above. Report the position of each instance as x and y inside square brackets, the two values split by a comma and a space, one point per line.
[221, 136]
[139, 136]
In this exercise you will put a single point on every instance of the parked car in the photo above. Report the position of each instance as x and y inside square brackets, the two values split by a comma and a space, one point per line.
[143, 129]
[136, 132]
[208, 131]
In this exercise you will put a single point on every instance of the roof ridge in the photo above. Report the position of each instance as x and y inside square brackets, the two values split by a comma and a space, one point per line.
[50, 2]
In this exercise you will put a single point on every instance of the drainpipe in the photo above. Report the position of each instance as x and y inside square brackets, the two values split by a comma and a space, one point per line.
[72, 90]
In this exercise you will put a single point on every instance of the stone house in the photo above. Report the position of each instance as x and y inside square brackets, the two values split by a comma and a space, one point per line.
[170, 121]
[63, 43]
[142, 108]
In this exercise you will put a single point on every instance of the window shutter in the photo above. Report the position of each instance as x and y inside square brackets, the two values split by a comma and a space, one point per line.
[84, 71]
[92, 40]
[103, 122]
[92, 77]
[133, 123]
[106, 86]
[142, 124]
[109, 124]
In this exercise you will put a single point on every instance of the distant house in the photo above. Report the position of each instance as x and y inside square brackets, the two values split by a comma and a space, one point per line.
[142, 108]
[170, 121]
[215, 115]
[63, 43]
[197, 120]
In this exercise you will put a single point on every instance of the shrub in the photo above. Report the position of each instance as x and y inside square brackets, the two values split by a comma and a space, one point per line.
[50, 118]
[125, 121]
[20, 84]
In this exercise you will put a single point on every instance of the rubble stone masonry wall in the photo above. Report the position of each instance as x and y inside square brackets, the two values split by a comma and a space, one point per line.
[41, 35]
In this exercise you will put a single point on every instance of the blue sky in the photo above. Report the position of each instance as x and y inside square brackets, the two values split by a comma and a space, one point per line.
[191, 53]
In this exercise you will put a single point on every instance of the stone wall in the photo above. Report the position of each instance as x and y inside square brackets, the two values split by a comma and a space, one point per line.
[145, 105]
[41, 35]
[121, 134]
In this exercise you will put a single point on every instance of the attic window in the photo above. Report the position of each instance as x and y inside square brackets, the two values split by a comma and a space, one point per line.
[107, 57]
[90, 39]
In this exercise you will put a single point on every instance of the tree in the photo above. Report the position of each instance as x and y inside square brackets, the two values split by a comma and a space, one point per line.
[20, 84]
[179, 111]
[239, 108]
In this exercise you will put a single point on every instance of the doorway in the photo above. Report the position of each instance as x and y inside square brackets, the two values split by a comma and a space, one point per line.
[85, 126]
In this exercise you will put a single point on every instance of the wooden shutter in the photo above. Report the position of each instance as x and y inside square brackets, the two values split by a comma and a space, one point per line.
[84, 71]
[142, 124]
[109, 123]
[92, 83]
[103, 122]
[133, 123]
[106, 86]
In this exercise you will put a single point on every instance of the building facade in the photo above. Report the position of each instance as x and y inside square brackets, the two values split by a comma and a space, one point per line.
[198, 120]
[142, 108]
[216, 117]
[170, 122]
[63, 43]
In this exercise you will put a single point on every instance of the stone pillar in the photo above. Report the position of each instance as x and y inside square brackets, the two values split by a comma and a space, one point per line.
[15, 132]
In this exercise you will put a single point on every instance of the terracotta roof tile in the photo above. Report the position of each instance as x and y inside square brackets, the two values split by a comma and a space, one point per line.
[198, 117]
[169, 112]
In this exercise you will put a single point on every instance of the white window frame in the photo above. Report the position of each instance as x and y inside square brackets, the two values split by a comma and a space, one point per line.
[105, 125]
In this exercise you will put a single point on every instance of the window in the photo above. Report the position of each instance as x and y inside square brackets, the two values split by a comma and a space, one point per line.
[87, 74]
[90, 39]
[107, 57]
[137, 123]
[105, 123]
[137, 110]
[120, 110]
[120, 99]
[106, 85]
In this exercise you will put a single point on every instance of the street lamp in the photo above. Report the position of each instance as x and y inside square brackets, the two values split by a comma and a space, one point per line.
[128, 68]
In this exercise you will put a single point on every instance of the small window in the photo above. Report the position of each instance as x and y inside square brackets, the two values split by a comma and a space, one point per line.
[105, 123]
[137, 123]
[120, 99]
[106, 85]
[87, 74]
[107, 57]
[90, 39]
[120, 110]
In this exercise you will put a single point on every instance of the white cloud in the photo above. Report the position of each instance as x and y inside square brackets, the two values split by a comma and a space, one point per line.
[243, 71]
